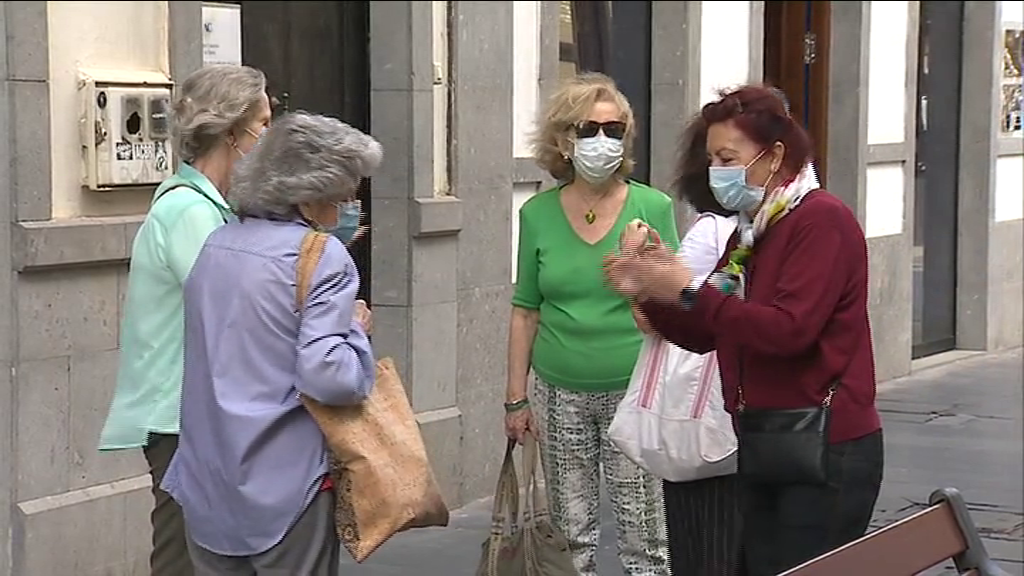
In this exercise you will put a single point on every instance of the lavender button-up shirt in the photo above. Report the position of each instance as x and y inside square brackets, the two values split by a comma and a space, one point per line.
[250, 458]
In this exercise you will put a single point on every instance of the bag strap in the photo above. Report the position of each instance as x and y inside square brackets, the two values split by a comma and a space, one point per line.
[653, 356]
[710, 365]
[505, 513]
[506, 501]
[310, 252]
[536, 504]
[722, 236]
[707, 378]
[177, 183]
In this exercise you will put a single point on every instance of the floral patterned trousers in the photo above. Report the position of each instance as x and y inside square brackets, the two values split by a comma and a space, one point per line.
[574, 443]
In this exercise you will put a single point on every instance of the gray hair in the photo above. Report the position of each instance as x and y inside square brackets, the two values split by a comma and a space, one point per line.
[212, 101]
[302, 158]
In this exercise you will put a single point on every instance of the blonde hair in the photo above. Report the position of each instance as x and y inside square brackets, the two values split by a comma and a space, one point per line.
[570, 106]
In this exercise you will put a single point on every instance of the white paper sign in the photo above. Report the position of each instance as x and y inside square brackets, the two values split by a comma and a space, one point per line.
[222, 33]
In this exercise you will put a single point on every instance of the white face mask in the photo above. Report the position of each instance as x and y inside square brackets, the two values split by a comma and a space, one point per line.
[597, 158]
[254, 135]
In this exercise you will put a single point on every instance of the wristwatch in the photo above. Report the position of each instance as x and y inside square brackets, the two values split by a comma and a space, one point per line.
[688, 296]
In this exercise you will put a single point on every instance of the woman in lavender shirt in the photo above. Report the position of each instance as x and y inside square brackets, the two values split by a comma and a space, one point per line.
[250, 472]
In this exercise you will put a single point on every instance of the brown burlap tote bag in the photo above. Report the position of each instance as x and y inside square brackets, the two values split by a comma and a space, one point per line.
[534, 548]
[382, 478]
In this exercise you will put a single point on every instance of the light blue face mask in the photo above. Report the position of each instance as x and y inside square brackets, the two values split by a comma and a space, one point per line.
[348, 221]
[597, 158]
[729, 185]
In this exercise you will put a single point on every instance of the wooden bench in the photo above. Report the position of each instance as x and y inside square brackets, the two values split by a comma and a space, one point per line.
[927, 539]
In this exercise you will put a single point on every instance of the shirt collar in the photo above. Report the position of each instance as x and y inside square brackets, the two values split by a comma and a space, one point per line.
[188, 173]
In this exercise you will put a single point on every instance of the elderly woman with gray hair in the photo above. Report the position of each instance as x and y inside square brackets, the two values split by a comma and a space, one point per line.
[251, 469]
[219, 113]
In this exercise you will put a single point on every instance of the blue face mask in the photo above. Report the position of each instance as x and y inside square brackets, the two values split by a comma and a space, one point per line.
[597, 158]
[348, 221]
[729, 185]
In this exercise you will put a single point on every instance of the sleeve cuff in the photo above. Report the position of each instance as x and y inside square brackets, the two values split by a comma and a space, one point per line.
[709, 299]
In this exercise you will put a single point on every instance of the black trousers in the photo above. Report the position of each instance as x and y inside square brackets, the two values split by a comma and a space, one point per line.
[785, 526]
[704, 526]
[169, 556]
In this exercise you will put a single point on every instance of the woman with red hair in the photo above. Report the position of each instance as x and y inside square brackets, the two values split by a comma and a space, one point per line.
[787, 313]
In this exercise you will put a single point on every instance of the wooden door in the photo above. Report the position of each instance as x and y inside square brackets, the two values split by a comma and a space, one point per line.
[796, 46]
[316, 58]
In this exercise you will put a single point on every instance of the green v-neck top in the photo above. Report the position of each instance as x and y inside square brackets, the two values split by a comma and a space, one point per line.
[586, 339]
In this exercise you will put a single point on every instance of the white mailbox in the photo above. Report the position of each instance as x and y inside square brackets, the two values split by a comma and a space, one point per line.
[125, 129]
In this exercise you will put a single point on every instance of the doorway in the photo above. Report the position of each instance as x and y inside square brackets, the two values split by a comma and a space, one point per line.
[614, 38]
[936, 175]
[316, 58]
[796, 56]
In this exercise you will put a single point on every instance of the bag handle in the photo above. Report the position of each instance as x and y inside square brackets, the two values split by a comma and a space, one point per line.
[536, 503]
[710, 365]
[722, 237]
[310, 252]
[506, 507]
[505, 513]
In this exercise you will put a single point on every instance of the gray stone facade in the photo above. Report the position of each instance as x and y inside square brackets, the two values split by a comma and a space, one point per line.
[441, 264]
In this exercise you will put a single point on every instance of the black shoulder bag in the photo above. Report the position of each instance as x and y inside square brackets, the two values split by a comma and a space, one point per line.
[784, 446]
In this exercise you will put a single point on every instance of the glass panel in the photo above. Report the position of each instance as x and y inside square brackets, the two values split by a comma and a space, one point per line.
[566, 41]
[565, 23]
[1010, 119]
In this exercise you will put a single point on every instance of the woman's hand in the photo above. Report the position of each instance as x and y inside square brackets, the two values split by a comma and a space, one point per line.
[362, 314]
[641, 320]
[656, 272]
[634, 237]
[360, 232]
[518, 424]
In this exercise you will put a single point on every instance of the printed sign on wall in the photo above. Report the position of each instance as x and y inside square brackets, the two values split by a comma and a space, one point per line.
[222, 33]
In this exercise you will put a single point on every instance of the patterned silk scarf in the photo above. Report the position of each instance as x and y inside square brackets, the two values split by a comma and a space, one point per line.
[731, 278]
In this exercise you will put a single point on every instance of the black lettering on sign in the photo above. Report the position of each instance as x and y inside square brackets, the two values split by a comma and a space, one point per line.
[143, 151]
[123, 151]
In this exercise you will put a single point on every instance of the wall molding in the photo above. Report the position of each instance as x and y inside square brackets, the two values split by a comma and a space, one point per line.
[75, 242]
[889, 153]
[1009, 146]
[439, 216]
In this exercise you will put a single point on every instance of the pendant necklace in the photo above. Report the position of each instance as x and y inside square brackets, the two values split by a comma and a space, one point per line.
[590, 217]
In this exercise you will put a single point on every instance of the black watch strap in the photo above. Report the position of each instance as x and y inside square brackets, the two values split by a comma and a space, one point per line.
[688, 298]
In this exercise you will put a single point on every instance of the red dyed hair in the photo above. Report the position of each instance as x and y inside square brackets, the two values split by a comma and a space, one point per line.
[761, 115]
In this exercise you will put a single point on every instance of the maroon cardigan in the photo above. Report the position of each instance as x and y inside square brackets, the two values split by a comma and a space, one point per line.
[804, 323]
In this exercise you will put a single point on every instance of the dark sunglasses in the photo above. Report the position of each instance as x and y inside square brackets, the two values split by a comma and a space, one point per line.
[589, 129]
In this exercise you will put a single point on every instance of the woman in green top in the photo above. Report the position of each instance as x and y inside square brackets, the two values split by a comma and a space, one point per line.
[218, 117]
[578, 335]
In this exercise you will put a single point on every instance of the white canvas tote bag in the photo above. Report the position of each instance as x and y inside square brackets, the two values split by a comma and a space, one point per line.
[672, 421]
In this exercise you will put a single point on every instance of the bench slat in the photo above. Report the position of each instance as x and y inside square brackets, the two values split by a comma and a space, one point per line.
[907, 547]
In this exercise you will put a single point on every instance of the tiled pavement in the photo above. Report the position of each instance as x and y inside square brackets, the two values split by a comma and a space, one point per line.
[956, 425]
